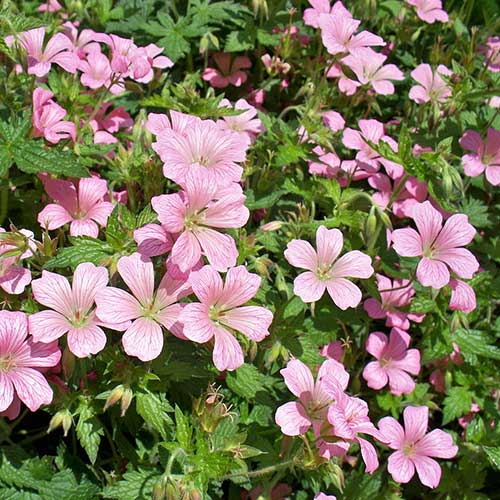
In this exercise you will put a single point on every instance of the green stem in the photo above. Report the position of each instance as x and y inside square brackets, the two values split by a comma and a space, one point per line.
[171, 460]
[260, 472]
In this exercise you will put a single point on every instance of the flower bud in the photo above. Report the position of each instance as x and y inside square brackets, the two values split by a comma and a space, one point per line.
[126, 400]
[115, 396]
[272, 226]
[61, 418]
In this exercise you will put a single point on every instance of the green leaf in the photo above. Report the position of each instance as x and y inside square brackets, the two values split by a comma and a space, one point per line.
[183, 429]
[84, 249]
[247, 381]
[88, 430]
[457, 403]
[294, 308]
[265, 201]
[477, 343]
[135, 485]
[493, 454]
[153, 409]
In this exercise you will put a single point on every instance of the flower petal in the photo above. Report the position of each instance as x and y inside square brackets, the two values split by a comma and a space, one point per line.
[144, 339]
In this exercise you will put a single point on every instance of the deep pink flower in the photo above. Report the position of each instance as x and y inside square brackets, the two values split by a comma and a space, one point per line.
[394, 362]
[338, 34]
[391, 302]
[218, 312]
[297, 417]
[432, 87]
[80, 204]
[203, 144]
[227, 72]
[429, 10]
[485, 157]
[71, 309]
[369, 68]
[415, 448]
[21, 364]
[325, 271]
[105, 125]
[312, 15]
[195, 212]
[48, 118]
[59, 50]
[333, 350]
[438, 245]
[463, 297]
[246, 124]
[147, 308]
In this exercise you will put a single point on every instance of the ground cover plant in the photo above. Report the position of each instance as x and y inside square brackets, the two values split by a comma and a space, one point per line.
[249, 249]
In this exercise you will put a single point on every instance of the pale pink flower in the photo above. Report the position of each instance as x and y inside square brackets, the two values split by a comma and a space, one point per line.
[369, 68]
[147, 308]
[14, 278]
[178, 122]
[333, 120]
[218, 312]
[494, 102]
[296, 417]
[333, 350]
[415, 448]
[324, 496]
[312, 15]
[325, 271]
[105, 125]
[227, 72]
[328, 165]
[143, 61]
[153, 240]
[338, 34]
[394, 362]
[48, 118]
[21, 364]
[348, 417]
[485, 156]
[246, 124]
[195, 212]
[463, 297]
[50, 6]
[122, 51]
[59, 50]
[429, 10]
[80, 204]
[492, 53]
[96, 70]
[71, 309]
[432, 87]
[203, 144]
[85, 41]
[391, 301]
[438, 245]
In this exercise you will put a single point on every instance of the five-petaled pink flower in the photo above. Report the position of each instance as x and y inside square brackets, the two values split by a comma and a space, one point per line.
[246, 124]
[394, 362]
[82, 204]
[432, 87]
[325, 271]
[48, 118]
[14, 278]
[147, 308]
[438, 245]
[21, 364]
[463, 297]
[296, 417]
[429, 10]
[195, 212]
[319, 7]
[415, 448]
[218, 311]
[485, 157]
[96, 70]
[71, 309]
[227, 72]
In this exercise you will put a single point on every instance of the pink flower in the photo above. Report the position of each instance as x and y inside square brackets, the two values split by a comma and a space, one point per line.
[203, 144]
[79, 203]
[394, 362]
[195, 212]
[153, 240]
[50, 6]
[246, 125]
[85, 41]
[463, 297]
[217, 313]
[311, 16]
[333, 350]
[297, 417]
[59, 50]
[229, 73]
[327, 166]
[324, 496]
[96, 70]
[438, 245]
[144, 59]
[485, 157]
[333, 120]
[432, 87]
[14, 278]
[337, 33]
[105, 125]
[21, 364]
[48, 118]
[391, 301]
[147, 308]
[349, 417]
[429, 10]
[492, 53]
[415, 448]
[369, 70]
[178, 122]
[325, 271]
[71, 309]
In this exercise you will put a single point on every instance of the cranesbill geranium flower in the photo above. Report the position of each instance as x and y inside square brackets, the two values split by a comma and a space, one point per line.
[325, 271]
[48, 118]
[312, 15]
[144, 59]
[159, 122]
[394, 362]
[96, 70]
[246, 124]
[432, 87]
[147, 308]
[429, 10]
[21, 364]
[71, 309]
[296, 417]
[227, 72]
[80, 204]
[415, 448]
[153, 240]
[219, 312]
[463, 297]
[438, 245]
[484, 156]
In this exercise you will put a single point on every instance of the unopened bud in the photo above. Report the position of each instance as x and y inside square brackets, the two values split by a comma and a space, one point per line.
[126, 400]
[115, 396]
[272, 226]
[68, 362]
[61, 418]
[159, 491]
